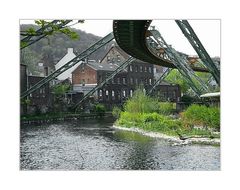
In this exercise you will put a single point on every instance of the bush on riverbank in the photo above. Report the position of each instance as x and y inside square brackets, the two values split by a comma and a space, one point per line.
[150, 122]
[201, 115]
[148, 114]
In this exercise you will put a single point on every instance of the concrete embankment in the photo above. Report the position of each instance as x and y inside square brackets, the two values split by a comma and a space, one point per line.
[174, 140]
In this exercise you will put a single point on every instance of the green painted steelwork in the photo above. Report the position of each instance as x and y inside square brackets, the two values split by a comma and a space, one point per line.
[181, 63]
[131, 37]
[162, 77]
[69, 64]
[199, 48]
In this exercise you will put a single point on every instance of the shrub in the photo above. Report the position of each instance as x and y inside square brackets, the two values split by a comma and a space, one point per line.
[201, 115]
[116, 112]
[140, 103]
[100, 109]
[165, 108]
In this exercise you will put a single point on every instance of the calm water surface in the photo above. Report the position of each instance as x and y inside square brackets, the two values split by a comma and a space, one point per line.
[94, 145]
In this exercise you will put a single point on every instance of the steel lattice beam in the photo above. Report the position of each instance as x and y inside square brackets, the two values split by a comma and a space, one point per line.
[119, 69]
[199, 48]
[162, 77]
[70, 64]
[180, 62]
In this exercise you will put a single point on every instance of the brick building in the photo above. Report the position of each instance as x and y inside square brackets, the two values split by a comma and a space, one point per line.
[116, 91]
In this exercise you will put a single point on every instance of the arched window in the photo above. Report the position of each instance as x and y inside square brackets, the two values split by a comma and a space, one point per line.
[131, 93]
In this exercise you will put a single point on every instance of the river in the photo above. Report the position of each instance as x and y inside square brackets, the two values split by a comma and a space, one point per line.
[95, 145]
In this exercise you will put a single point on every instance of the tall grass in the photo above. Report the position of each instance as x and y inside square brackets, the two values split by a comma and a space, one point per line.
[201, 115]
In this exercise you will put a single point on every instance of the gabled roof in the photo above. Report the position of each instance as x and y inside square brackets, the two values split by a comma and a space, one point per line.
[123, 53]
[102, 67]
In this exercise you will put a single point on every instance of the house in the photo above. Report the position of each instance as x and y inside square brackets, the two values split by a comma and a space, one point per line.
[68, 57]
[167, 92]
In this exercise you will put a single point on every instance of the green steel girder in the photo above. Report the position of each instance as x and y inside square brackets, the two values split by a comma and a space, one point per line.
[30, 39]
[70, 64]
[181, 63]
[199, 48]
[162, 77]
[119, 69]
[131, 37]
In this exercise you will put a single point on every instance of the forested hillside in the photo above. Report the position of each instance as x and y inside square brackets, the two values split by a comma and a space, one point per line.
[51, 49]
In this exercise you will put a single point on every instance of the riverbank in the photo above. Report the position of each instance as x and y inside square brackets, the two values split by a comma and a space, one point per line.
[49, 118]
[174, 139]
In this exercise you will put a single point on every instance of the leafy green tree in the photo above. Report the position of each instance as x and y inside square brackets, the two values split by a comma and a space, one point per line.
[45, 29]
[59, 92]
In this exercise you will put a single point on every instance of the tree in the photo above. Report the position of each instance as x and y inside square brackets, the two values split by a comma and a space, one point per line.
[59, 92]
[45, 29]
[175, 77]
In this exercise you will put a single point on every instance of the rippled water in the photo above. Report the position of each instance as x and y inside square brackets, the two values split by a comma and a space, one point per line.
[94, 145]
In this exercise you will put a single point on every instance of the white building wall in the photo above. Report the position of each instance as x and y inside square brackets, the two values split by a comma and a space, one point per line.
[67, 74]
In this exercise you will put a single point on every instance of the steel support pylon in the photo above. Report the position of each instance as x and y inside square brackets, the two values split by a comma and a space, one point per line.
[161, 78]
[199, 48]
[181, 63]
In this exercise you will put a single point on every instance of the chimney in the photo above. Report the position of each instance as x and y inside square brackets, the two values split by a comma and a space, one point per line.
[70, 50]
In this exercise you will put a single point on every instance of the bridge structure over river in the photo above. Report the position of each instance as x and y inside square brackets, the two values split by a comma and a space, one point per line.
[141, 41]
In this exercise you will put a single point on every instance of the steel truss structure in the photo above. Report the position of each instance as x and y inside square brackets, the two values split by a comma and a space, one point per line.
[181, 63]
[199, 48]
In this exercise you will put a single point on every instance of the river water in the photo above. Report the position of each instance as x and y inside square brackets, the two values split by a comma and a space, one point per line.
[94, 145]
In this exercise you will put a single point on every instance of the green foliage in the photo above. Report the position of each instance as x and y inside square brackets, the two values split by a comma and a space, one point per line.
[100, 109]
[55, 46]
[150, 122]
[116, 112]
[201, 115]
[48, 31]
[61, 89]
[166, 108]
[175, 77]
[140, 103]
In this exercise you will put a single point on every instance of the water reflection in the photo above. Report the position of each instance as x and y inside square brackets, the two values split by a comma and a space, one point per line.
[94, 145]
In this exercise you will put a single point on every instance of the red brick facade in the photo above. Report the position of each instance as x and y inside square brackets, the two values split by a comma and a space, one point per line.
[84, 74]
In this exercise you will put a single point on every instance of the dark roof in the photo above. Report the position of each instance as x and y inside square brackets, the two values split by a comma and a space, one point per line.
[102, 66]
[123, 53]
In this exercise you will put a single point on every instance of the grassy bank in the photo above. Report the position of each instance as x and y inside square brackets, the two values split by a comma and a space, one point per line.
[151, 115]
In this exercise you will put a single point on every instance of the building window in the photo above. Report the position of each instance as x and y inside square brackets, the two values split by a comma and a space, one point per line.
[113, 95]
[149, 69]
[124, 80]
[141, 68]
[130, 68]
[136, 68]
[100, 93]
[145, 69]
[107, 94]
[150, 81]
[83, 82]
[136, 81]
[124, 93]
[131, 93]
[131, 80]
[112, 80]
[118, 80]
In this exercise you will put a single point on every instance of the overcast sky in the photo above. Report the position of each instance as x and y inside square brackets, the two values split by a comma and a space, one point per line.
[208, 31]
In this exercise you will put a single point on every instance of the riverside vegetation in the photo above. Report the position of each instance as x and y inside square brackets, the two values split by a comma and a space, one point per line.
[149, 114]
